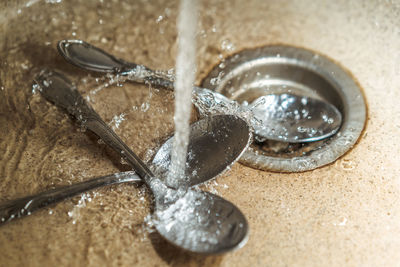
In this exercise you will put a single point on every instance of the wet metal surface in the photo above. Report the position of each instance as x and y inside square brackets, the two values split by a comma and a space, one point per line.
[263, 71]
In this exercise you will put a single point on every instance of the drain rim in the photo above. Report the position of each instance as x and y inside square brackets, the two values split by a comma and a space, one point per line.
[353, 110]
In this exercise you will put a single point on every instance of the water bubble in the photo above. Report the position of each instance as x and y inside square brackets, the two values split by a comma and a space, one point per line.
[35, 88]
[347, 164]
[159, 19]
[301, 129]
[145, 106]
[217, 80]
[312, 132]
[116, 121]
[227, 45]
[342, 222]
[24, 66]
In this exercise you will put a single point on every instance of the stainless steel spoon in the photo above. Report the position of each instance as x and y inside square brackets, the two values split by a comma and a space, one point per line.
[215, 143]
[287, 117]
[26, 205]
[197, 221]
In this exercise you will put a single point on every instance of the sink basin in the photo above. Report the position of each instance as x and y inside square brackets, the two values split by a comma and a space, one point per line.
[343, 213]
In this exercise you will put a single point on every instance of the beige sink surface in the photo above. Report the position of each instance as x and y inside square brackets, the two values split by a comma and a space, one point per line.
[347, 213]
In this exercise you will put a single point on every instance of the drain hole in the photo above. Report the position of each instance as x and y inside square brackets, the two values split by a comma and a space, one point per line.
[249, 74]
[284, 150]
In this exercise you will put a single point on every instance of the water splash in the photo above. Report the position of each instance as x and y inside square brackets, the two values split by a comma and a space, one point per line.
[74, 214]
[117, 120]
[188, 211]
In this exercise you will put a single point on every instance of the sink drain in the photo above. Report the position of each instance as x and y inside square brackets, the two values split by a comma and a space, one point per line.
[249, 74]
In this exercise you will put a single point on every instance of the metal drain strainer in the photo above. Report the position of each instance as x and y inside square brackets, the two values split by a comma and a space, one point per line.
[283, 69]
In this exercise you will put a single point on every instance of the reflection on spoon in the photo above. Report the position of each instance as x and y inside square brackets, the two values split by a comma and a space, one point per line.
[205, 212]
[272, 120]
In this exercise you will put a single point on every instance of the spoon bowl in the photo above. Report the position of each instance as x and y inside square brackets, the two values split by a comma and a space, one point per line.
[201, 222]
[215, 143]
[272, 120]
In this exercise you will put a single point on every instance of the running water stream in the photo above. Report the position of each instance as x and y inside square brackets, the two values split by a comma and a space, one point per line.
[185, 76]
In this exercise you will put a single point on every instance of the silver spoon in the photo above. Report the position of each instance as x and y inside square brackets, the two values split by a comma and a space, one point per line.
[196, 221]
[215, 143]
[26, 205]
[287, 117]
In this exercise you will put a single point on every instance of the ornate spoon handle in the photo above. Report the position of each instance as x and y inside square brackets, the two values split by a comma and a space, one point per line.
[89, 57]
[25, 206]
[59, 90]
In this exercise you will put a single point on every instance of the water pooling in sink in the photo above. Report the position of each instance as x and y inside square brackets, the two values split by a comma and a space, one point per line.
[334, 214]
[64, 95]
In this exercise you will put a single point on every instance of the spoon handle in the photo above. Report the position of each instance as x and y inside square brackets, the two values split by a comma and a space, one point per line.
[57, 89]
[89, 57]
[86, 56]
[25, 206]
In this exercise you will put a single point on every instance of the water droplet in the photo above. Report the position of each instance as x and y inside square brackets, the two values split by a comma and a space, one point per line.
[116, 121]
[35, 88]
[301, 129]
[144, 107]
[227, 45]
[159, 19]
[347, 164]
